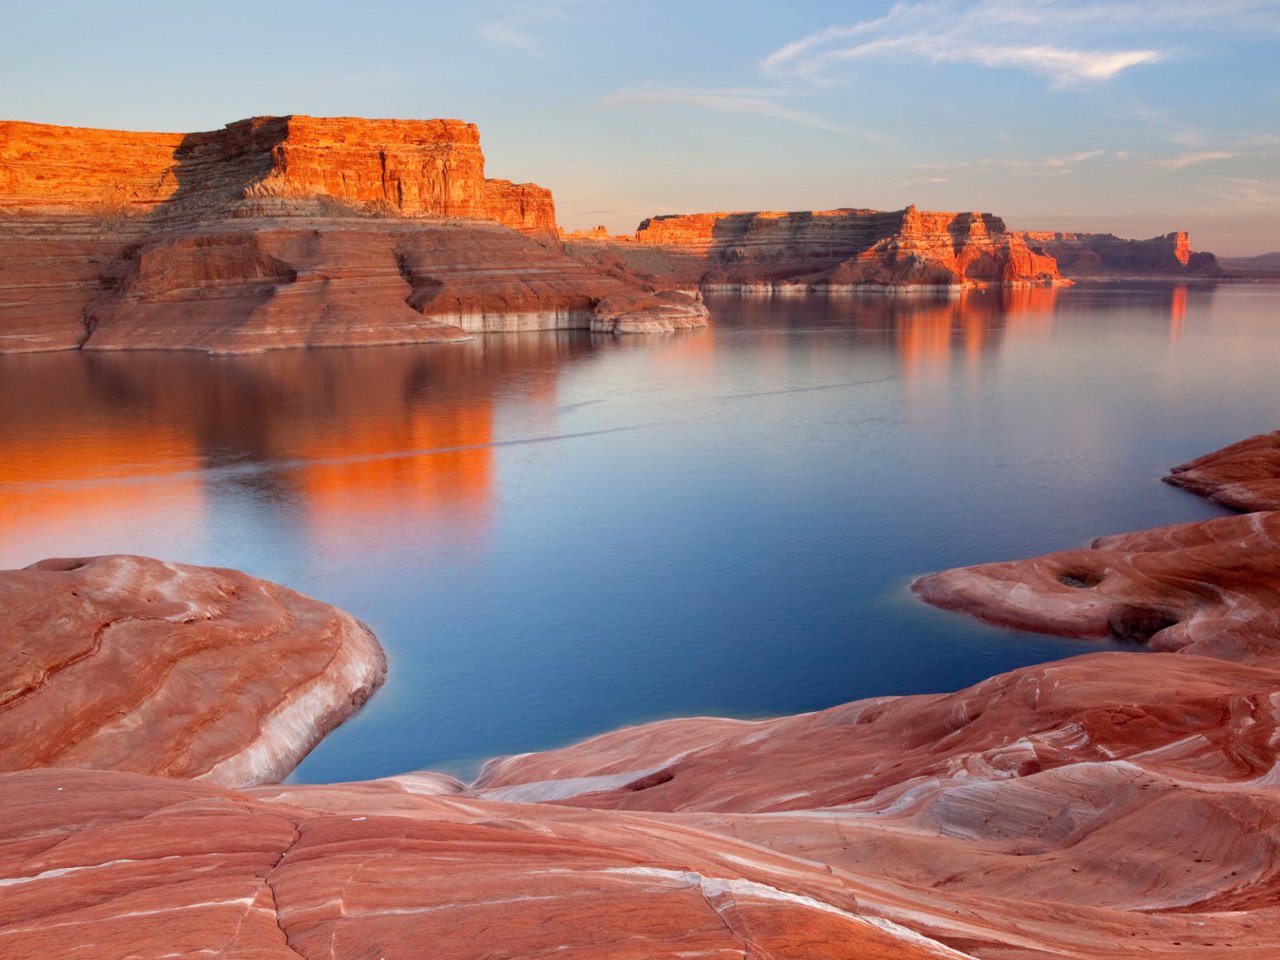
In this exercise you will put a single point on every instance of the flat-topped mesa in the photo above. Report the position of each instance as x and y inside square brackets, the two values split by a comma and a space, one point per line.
[414, 168]
[1104, 255]
[850, 247]
[291, 231]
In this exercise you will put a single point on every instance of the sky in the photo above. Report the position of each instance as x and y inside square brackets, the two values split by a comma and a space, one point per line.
[1135, 118]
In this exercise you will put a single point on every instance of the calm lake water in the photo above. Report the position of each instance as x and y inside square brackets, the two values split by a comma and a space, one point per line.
[557, 534]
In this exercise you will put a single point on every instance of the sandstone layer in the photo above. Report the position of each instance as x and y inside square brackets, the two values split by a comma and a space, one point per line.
[1112, 805]
[828, 249]
[286, 231]
[1243, 476]
[1084, 256]
[127, 663]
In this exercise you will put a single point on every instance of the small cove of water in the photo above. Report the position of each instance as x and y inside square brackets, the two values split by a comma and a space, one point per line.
[557, 534]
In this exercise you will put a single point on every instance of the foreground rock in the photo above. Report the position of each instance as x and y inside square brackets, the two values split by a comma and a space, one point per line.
[284, 232]
[1243, 476]
[127, 663]
[1210, 587]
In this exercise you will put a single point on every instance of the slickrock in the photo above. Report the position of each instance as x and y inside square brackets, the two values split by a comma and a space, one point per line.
[1209, 587]
[283, 232]
[1243, 476]
[1106, 256]
[127, 663]
[113, 865]
[825, 249]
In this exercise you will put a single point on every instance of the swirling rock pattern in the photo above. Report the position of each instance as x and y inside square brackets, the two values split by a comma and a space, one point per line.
[1243, 476]
[128, 663]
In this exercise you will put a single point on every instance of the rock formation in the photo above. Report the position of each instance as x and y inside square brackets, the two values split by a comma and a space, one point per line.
[828, 249]
[126, 663]
[1082, 256]
[1108, 806]
[284, 231]
[1243, 476]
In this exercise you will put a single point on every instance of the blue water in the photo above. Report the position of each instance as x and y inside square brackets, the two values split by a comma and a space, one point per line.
[557, 534]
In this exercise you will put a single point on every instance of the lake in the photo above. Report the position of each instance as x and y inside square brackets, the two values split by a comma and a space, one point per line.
[556, 534]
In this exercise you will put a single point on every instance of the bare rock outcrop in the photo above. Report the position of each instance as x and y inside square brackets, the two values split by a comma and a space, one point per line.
[281, 232]
[127, 663]
[826, 249]
[1243, 476]
[1083, 256]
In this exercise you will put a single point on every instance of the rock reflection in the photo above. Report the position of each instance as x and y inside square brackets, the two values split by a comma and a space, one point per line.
[347, 440]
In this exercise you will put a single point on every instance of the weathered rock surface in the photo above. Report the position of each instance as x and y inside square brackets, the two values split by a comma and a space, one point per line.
[280, 232]
[1082, 256]
[1210, 587]
[826, 249]
[1243, 476]
[127, 663]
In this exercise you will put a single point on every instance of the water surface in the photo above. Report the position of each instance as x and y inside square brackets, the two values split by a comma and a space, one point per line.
[556, 534]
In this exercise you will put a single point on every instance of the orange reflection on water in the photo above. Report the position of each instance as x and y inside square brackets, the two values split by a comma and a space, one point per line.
[1177, 312]
[87, 492]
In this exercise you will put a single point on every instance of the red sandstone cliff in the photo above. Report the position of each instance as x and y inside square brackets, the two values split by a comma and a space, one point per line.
[827, 249]
[1104, 255]
[286, 231]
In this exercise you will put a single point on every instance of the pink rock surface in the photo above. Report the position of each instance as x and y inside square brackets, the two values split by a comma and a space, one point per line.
[1210, 587]
[1243, 476]
[127, 663]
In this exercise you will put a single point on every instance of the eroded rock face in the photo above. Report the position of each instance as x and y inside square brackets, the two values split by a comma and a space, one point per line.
[795, 252]
[1104, 255]
[122, 865]
[284, 232]
[1243, 476]
[127, 663]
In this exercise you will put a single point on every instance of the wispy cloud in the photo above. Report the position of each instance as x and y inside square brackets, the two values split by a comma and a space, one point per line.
[760, 103]
[1191, 159]
[1062, 163]
[997, 33]
[519, 25]
[1244, 192]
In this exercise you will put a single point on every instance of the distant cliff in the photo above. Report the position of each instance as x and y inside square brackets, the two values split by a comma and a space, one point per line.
[286, 231]
[828, 249]
[1104, 255]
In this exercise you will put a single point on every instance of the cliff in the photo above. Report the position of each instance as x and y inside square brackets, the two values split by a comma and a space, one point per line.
[826, 249]
[417, 168]
[286, 231]
[1106, 256]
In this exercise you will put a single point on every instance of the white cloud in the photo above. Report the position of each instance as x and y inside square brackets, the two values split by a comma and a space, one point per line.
[1190, 159]
[1244, 192]
[519, 26]
[760, 103]
[1065, 163]
[990, 33]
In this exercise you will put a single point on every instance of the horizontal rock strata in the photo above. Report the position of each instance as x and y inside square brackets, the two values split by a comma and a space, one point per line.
[1243, 476]
[284, 232]
[127, 663]
[826, 249]
[1085, 256]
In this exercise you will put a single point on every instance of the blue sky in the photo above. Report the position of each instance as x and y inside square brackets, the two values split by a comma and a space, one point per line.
[1130, 117]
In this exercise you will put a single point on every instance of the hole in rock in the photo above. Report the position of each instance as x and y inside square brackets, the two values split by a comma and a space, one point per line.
[653, 780]
[1080, 579]
[64, 564]
[1139, 624]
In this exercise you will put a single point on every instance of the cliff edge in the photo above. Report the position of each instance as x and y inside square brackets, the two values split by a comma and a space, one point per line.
[283, 232]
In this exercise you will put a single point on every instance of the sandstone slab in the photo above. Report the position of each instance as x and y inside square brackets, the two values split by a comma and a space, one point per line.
[128, 663]
[1243, 476]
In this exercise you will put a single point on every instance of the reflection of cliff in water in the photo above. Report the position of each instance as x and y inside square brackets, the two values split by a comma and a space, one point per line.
[349, 440]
